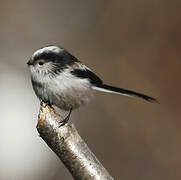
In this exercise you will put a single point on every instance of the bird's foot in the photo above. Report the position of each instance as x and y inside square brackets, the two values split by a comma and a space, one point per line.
[63, 122]
[66, 119]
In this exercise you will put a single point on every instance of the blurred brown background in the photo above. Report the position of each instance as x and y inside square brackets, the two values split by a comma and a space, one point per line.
[134, 44]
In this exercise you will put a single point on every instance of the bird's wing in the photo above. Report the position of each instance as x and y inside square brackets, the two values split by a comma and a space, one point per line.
[84, 72]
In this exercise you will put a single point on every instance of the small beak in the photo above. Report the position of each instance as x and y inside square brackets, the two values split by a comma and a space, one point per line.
[29, 63]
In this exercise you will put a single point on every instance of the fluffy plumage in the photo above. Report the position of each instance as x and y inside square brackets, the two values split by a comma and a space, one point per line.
[60, 79]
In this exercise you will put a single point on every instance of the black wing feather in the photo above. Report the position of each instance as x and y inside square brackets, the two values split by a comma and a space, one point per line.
[86, 73]
[96, 81]
[127, 92]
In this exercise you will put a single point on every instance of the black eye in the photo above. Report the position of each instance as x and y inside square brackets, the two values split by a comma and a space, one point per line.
[40, 63]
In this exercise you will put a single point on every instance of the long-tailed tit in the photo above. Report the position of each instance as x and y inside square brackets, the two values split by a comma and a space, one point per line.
[60, 79]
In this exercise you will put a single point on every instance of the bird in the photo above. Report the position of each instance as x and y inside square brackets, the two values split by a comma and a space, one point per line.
[60, 79]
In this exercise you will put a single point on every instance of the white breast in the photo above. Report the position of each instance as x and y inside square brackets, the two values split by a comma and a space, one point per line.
[65, 90]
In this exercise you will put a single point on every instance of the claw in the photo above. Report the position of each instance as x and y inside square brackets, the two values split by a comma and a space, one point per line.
[65, 121]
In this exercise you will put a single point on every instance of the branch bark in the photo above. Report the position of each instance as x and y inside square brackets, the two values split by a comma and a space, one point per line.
[69, 146]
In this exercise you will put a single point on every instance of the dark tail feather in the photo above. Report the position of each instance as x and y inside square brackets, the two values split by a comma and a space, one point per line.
[111, 89]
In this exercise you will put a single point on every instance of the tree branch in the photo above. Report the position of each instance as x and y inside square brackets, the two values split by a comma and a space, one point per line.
[69, 146]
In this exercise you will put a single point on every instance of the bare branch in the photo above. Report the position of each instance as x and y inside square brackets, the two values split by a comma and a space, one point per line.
[69, 146]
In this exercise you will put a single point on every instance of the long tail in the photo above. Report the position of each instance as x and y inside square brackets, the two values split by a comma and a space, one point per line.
[124, 92]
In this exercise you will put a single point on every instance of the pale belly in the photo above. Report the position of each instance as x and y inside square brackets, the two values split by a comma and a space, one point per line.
[67, 94]
[72, 98]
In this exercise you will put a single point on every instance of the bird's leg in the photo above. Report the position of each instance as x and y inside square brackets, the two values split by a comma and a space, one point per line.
[66, 119]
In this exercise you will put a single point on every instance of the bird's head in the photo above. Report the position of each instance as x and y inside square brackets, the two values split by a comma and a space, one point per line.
[49, 60]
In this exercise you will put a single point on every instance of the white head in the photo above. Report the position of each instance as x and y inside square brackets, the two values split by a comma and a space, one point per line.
[50, 61]
[46, 50]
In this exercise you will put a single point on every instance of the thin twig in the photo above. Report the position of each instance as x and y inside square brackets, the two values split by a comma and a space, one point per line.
[69, 146]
